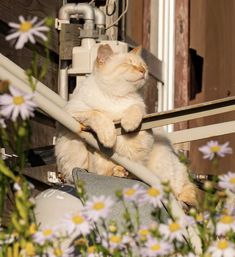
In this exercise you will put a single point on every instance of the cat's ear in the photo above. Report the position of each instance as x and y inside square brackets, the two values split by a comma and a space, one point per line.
[103, 54]
[137, 50]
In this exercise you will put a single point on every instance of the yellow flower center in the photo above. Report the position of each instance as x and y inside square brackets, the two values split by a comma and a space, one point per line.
[232, 181]
[143, 232]
[32, 229]
[98, 206]
[91, 249]
[115, 239]
[25, 26]
[30, 249]
[174, 227]
[199, 217]
[130, 192]
[47, 232]
[215, 148]
[58, 252]
[155, 247]
[227, 219]
[77, 219]
[18, 100]
[222, 244]
[153, 192]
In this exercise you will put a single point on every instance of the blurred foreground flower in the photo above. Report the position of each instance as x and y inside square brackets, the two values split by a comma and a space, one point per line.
[16, 103]
[133, 194]
[26, 30]
[213, 148]
[154, 195]
[221, 248]
[98, 207]
[227, 181]
[76, 223]
[62, 252]
[156, 247]
[42, 236]
[225, 224]
[172, 230]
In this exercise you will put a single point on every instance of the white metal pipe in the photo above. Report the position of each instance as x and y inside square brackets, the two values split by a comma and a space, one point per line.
[20, 73]
[63, 83]
[58, 114]
[84, 9]
[100, 18]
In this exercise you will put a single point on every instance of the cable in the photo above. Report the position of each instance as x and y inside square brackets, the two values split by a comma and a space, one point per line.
[118, 19]
[107, 8]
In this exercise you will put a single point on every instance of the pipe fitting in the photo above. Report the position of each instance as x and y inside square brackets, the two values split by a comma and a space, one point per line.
[100, 18]
[83, 9]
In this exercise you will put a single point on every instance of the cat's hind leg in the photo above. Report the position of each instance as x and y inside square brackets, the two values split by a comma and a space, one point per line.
[99, 164]
[70, 153]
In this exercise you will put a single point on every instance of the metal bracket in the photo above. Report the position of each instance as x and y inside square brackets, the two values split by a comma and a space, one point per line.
[59, 22]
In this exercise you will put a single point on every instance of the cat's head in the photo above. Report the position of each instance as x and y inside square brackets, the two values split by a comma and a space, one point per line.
[120, 74]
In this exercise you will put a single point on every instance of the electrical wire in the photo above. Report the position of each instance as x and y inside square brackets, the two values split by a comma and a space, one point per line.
[118, 19]
[92, 1]
[114, 7]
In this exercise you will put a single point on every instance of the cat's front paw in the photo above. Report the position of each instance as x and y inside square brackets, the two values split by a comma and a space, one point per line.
[107, 135]
[131, 119]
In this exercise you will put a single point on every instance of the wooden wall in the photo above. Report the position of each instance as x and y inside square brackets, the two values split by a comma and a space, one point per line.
[43, 131]
[212, 24]
[138, 22]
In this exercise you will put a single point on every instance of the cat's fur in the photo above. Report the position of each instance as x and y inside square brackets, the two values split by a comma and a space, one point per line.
[111, 93]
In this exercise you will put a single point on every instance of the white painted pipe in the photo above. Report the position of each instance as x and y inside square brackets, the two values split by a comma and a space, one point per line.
[63, 82]
[84, 9]
[65, 119]
[100, 18]
[20, 73]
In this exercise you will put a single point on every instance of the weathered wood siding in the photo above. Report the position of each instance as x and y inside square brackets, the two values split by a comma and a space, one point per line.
[181, 57]
[9, 12]
[138, 22]
[212, 36]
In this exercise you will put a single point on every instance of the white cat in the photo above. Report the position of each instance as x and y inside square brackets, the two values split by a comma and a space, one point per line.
[109, 94]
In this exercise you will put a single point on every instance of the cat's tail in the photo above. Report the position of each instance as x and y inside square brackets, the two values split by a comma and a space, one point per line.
[164, 162]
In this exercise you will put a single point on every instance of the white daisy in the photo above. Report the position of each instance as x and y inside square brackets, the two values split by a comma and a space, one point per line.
[93, 252]
[76, 223]
[61, 252]
[154, 195]
[17, 103]
[213, 148]
[143, 233]
[42, 236]
[227, 181]
[98, 207]
[172, 230]
[222, 248]
[225, 224]
[133, 194]
[154, 247]
[115, 241]
[26, 30]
